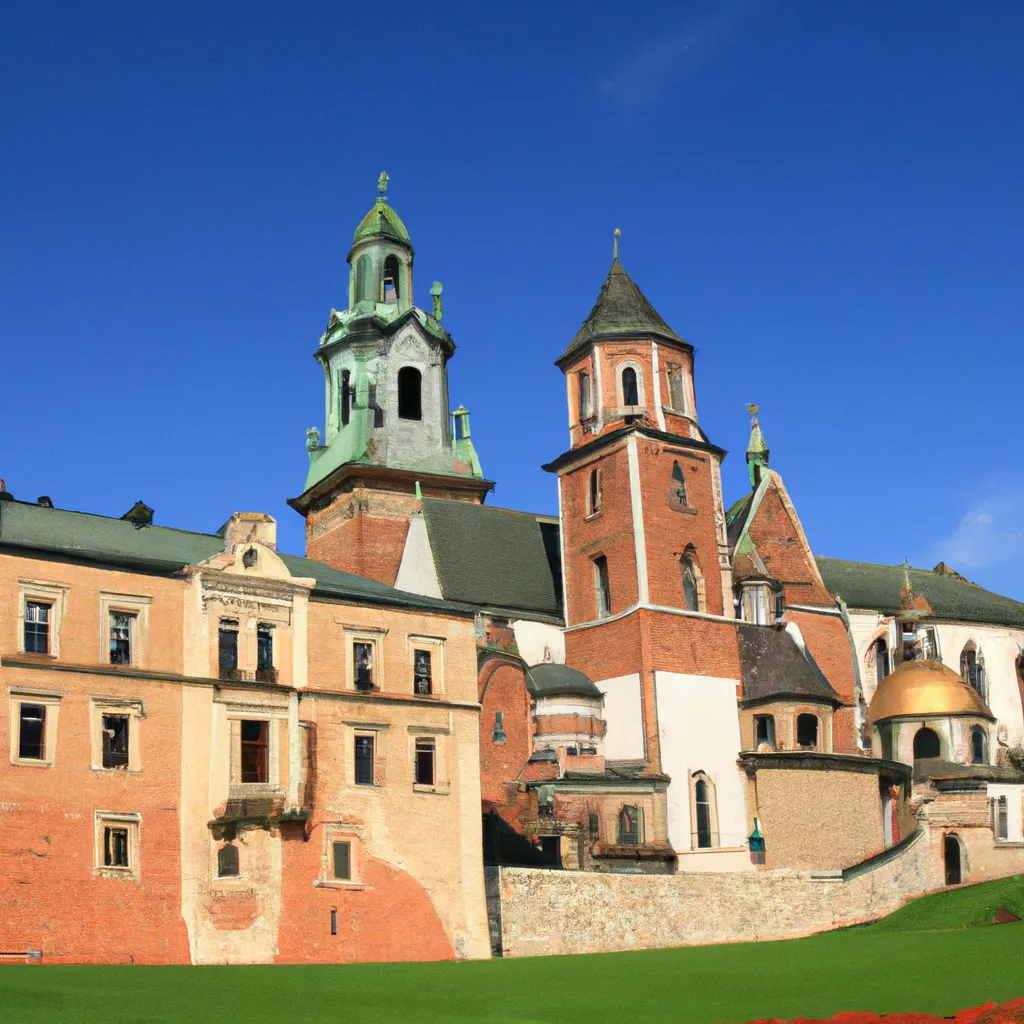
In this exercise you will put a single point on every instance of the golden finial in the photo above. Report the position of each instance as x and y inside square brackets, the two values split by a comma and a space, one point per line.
[615, 250]
[753, 409]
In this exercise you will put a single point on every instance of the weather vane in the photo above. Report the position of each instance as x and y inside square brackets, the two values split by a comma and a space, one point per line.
[382, 182]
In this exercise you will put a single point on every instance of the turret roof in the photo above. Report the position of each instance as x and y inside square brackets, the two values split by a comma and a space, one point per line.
[381, 222]
[621, 311]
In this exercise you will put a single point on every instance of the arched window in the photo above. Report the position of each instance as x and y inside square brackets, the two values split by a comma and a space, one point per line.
[630, 826]
[346, 397]
[953, 856]
[227, 861]
[691, 592]
[389, 285]
[926, 744]
[807, 732]
[364, 273]
[594, 492]
[972, 668]
[705, 812]
[979, 745]
[409, 401]
[586, 410]
[881, 652]
[630, 387]
[678, 493]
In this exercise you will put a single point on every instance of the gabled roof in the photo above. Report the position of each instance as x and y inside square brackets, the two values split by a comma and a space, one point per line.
[25, 526]
[773, 667]
[493, 557]
[867, 585]
[621, 311]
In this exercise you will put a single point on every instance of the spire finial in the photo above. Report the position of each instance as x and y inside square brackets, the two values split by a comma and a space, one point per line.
[615, 244]
[382, 183]
[757, 448]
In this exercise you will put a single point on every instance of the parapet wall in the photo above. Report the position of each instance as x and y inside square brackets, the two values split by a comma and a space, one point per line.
[550, 912]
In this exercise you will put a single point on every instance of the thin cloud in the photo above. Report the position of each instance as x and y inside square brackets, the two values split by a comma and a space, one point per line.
[649, 70]
[991, 532]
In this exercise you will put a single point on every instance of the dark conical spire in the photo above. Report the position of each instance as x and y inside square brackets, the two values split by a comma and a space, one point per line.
[621, 311]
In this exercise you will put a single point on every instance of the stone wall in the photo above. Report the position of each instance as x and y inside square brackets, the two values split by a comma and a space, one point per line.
[552, 912]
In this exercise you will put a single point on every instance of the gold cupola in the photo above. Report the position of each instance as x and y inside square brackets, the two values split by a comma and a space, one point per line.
[919, 688]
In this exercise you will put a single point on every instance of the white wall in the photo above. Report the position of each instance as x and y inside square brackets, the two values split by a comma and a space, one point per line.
[700, 731]
[539, 642]
[624, 740]
[417, 574]
[1014, 824]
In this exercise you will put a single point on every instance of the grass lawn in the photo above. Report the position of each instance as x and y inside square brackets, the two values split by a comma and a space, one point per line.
[886, 967]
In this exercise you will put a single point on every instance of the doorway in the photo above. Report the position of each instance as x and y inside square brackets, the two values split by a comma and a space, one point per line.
[954, 860]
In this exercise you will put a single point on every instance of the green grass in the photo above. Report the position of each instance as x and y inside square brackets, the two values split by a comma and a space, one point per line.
[957, 908]
[935, 972]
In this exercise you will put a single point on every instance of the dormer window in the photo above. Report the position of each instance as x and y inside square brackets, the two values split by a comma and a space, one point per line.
[757, 604]
[389, 288]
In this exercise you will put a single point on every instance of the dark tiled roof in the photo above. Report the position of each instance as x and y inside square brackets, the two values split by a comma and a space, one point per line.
[773, 667]
[621, 310]
[617, 773]
[866, 585]
[940, 770]
[553, 680]
[117, 542]
[492, 557]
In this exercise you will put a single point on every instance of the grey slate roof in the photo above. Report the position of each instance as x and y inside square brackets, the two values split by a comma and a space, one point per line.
[621, 310]
[549, 680]
[866, 585]
[493, 557]
[117, 542]
[938, 769]
[773, 667]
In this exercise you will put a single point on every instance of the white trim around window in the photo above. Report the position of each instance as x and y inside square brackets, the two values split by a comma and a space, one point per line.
[49, 703]
[138, 608]
[54, 595]
[117, 851]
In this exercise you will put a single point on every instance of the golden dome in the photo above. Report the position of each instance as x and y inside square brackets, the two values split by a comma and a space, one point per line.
[919, 688]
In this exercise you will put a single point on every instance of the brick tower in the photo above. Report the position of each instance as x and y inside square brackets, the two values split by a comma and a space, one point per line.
[648, 585]
[389, 436]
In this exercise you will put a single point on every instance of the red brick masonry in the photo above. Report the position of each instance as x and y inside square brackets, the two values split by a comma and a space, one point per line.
[1007, 1013]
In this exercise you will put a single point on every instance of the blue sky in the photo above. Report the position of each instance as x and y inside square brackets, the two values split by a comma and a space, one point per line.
[825, 199]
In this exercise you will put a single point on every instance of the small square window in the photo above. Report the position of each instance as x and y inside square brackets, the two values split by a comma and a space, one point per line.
[341, 860]
[32, 732]
[37, 627]
[115, 847]
[115, 741]
[364, 760]
[121, 627]
[422, 674]
[425, 762]
[254, 751]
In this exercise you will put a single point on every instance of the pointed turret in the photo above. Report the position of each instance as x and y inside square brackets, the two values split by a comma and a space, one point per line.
[757, 449]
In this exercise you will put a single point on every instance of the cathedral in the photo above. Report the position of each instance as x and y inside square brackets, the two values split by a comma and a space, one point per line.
[436, 733]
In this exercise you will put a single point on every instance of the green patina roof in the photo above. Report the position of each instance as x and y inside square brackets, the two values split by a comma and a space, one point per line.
[866, 585]
[492, 557]
[381, 222]
[93, 538]
[621, 310]
[549, 680]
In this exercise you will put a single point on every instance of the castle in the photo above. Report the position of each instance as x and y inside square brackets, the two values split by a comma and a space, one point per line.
[223, 753]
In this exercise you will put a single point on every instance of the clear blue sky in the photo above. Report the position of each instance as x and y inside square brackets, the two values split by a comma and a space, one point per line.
[824, 198]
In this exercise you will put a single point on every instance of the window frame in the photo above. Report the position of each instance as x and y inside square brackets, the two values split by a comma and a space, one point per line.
[818, 731]
[266, 673]
[54, 595]
[602, 588]
[434, 646]
[772, 741]
[136, 605]
[403, 397]
[375, 638]
[237, 713]
[132, 824]
[342, 832]
[584, 396]
[360, 738]
[977, 732]
[623, 838]
[641, 394]
[593, 498]
[49, 700]
[711, 792]
[134, 711]
[675, 371]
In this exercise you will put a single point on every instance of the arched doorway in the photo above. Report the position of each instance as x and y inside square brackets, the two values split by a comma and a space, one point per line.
[953, 856]
[926, 744]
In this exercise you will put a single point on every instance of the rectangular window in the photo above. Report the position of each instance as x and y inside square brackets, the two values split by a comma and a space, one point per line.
[586, 409]
[115, 847]
[37, 627]
[227, 649]
[1000, 817]
[364, 760]
[424, 762]
[32, 732]
[758, 604]
[602, 588]
[675, 388]
[764, 730]
[254, 751]
[121, 624]
[362, 665]
[929, 645]
[422, 682]
[115, 741]
[265, 654]
[341, 861]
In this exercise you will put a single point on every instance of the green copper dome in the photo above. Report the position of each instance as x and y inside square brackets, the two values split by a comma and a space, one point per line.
[381, 222]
